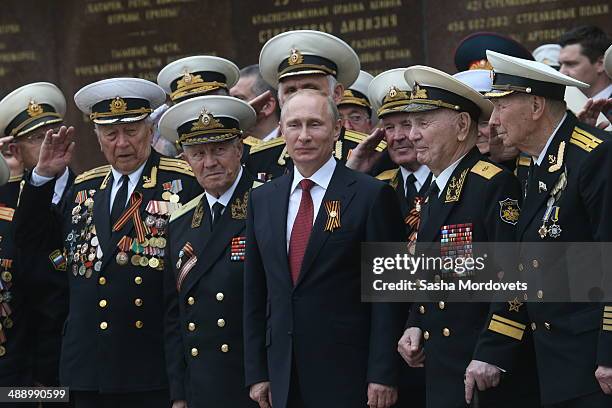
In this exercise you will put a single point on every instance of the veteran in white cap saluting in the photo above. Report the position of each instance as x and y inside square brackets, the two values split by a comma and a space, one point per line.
[112, 228]
[566, 200]
[206, 240]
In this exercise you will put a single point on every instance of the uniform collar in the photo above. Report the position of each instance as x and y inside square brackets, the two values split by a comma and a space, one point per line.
[133, 176]
[539, 159]
[443, 177]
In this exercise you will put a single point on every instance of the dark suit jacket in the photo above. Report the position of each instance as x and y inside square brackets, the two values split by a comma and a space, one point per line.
[113, 336]
[571, 339]
[205, 313]
[452, 329]
[337, 343]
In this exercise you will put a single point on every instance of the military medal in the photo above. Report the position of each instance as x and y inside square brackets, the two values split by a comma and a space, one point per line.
[153, 262]
[143, 261]
[94, 242]
[98, 265]
[238, 249]
[121, 258]
[76, 210]
[150, 221]
[82, 270]
[555, 230]
[123, 245]
[88, 273]
[333, 215]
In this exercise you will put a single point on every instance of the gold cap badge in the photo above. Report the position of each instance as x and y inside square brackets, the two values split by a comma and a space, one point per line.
[118, 105]
[34, 109]
[296, 57]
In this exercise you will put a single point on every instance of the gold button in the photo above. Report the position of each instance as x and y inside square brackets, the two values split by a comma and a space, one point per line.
[2, 351]
[422, 309]
[138, 280]
[224, 348]
[535, 263]
[540, 294]
[426, 335]
[441, 305]
[533, 326]
[194, 352]
[220, 296]
[190, 300]
[191, 326]
[446, 332]
[221, 323]
[521, 267]
[103, 325]
[139, 324]
[102, 280]
[547, 325]
[102, 303]
[138, 302]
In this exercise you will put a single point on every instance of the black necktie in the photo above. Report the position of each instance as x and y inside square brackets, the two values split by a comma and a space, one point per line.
[217, 208]
[120, 200]
[432, 202]
[411, 191]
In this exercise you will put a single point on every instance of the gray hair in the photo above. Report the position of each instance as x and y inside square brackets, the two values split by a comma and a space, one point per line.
[332, 109]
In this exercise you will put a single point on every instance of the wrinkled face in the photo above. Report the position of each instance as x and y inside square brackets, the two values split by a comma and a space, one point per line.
[244, 88]
[309, 130]
[126, 146]
[397, 134]
[511, 119]
[434, 136]
[482, 142]
[355, 118]
[578, 66]
[216, 165]
[290, 85]
[29, 145]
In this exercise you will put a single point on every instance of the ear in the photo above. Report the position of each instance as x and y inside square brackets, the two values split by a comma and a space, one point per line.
[338, 92]
[463, 126]
[538, 106]
[599, 65]
[337, 129]
[15, 150]
[269, 108]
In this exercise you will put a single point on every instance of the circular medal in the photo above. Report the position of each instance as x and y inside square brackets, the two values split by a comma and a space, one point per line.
[88, 273]
[7, 276]
[8, 323]
[84, 248]
[161, 242]
[91, 257]
[89, 203]
[82, 270]
[160, 223]
[94, 241]
[153, 262]
[152, 242]
[121, 258]
[98, 266]
[135, 260]
[166, 195]
[150, 221]
[145, 243]
[144, 261]
[76, 210]
[174, 198]
[161, 264]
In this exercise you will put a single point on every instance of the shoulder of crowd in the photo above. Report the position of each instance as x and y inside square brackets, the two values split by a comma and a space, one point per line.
[388, 175]
[587, 138]
[187, 207]
[175, 166]
[358, 137]
[277, 141]
[98, 172]
[486, 169]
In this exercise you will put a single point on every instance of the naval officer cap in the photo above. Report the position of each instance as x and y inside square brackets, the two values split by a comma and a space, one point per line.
[31, 107]
[196, 76]
[471, 53]
[511, 74]
[608, 61]
[357, 94]
[389, 92]
[206, 119]
[304, 52]
[478, 79]
[119, 100]
[434, 89]
[548, 54]
[5, 172]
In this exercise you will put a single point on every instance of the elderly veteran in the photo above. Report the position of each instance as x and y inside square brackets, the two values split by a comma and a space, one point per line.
[112, 227]
[355, 107]
[205, 256]
[470, 196]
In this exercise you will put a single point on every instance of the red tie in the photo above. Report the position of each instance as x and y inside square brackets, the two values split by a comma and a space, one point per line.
[301, 230]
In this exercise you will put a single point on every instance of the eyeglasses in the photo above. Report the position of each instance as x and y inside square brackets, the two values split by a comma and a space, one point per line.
[355, 119]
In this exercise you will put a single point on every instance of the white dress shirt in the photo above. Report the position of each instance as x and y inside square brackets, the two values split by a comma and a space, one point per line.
[446, 174]
[540, 158]
[421, 176]
[272, 135]
[321, 179]
[225, 197]
[132, 183]
[604, 93]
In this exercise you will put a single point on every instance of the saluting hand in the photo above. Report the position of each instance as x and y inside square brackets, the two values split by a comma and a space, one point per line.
[364, 156]
[260, 101]
[261, 394]
[591, 110]
[604, 377]
[55, 152]
[481, 374]
[410, 347]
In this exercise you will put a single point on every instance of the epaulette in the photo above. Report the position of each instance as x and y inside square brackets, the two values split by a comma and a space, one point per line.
[251, 141]
[175, 165]
[486, 169]
[277, 141]
[523, 161]
[584, 140]
[256, 184]
[186, 208]
[15, 178]
[92, 174]
[358, 137]
[387, 175]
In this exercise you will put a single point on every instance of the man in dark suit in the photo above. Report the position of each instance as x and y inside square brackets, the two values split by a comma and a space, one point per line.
[205, 256]
[309, 341]
[112, 229]
[566, 200]
[472, 199]
[35, 287]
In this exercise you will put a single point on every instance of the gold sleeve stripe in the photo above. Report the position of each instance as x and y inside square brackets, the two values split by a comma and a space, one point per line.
[277, 141]
[186, 208]
[506, 330]
[607, 321]
[607, 308]
[524, 161]
[607, 315]
[508, 321]
[607, 327]
[15, 178]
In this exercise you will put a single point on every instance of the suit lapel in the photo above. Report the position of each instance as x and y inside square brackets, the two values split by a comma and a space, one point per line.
[277, 213]
[339, 189]
[545, 177]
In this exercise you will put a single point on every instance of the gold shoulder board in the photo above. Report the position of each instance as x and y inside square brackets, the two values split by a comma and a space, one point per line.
[101, 171]
[584, 140]
[387, 175]
[251, 141]
[358, 137]
[15, 178]
[486, 169]
[175, 165]
[523, 161]
[277, 141]
[186, 208]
